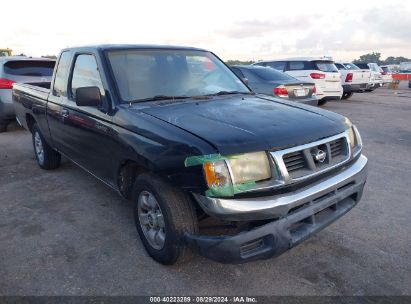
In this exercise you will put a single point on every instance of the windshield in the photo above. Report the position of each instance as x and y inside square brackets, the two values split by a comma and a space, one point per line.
[270, 74]
[351, 66]
[145, 74]
[326, 66]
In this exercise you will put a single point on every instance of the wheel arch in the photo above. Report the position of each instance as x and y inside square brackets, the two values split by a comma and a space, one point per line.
[30, 121]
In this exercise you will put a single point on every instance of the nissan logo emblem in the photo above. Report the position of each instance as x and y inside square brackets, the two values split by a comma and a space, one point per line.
[319, 156]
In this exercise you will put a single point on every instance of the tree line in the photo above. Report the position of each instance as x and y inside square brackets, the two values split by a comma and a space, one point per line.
[370, 57]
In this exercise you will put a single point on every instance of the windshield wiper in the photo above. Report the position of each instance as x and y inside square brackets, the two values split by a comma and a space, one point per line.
[159, 97]
[229, 93]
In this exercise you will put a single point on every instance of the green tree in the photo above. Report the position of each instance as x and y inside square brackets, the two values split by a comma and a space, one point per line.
[238, 62]
[395, 60]
[370, 57]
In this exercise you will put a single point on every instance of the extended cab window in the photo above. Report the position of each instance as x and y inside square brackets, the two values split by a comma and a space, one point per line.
[60, 81]
[85, 74]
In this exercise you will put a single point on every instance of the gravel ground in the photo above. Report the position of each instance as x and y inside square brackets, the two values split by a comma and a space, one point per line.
[63, 232]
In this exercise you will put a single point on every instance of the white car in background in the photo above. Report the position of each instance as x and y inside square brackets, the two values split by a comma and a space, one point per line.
[321, 71]
[386, 74]
[353, 78]
[376, 76]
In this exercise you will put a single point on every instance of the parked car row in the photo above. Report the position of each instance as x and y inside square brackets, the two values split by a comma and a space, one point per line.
[23, 70]
[291, 79]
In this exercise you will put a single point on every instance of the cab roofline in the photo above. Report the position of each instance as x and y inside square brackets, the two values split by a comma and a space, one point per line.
[107, 47]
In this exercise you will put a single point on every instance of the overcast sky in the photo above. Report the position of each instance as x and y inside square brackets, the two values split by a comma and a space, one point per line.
[247, 30]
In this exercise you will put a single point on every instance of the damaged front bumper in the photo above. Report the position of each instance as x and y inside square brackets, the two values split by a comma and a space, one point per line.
[300, 214]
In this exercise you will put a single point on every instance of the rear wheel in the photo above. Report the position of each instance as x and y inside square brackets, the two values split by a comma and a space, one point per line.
[163, 215]
[322, 102]
[47, 158]
[347, 95]
[3, 127]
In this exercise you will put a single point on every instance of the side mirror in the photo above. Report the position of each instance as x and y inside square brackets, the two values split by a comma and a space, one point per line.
[88, 96]
[245, 80]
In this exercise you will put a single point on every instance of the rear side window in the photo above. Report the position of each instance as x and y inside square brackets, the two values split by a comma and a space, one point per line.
[340, 66]
[270, 74]
[351, 66]
[363, 66]
[86, 74]
[296, 65]
[29, 68]
[278, 65]
[60, 80]
[326, 66]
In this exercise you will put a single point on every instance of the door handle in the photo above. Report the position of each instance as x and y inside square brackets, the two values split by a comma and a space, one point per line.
[65, 113]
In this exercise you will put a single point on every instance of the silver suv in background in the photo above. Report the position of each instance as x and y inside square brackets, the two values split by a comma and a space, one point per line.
[22, 70]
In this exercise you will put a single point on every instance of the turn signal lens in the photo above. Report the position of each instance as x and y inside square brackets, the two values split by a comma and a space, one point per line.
[354, 138]
[351, 137]
[216, 174]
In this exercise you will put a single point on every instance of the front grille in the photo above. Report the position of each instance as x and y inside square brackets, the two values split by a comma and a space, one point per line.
[294, 161]
[337, 147]
[316, 158]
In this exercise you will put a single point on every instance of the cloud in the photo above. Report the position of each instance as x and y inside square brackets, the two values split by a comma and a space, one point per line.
[258, 28]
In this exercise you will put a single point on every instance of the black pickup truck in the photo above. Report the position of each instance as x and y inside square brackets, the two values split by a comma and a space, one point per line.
[209, 165]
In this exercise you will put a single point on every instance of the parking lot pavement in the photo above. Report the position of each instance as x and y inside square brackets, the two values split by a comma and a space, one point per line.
[63, 232]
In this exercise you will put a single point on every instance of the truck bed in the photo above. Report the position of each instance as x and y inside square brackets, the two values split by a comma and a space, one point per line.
[39, 89]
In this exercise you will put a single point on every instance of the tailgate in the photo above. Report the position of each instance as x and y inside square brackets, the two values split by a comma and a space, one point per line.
[332, 82]
[360, 76]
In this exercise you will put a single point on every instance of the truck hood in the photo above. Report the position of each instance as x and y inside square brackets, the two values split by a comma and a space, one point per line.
[243, 123]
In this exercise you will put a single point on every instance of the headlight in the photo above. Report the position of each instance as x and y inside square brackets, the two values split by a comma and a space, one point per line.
[354, 138]
[249, 167]
[229, 176]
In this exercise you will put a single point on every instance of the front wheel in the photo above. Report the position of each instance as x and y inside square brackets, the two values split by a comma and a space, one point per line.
[162, 216]
[47, 158]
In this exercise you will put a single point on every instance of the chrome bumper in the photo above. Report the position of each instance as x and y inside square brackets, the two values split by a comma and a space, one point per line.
[352, 178]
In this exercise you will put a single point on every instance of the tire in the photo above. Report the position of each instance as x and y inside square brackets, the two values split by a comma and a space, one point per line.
[47, 158]
[177, 217]
[3, 127]
[322, 102]
[347, 95]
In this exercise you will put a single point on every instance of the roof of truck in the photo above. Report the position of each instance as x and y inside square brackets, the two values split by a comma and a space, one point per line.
[132, 46]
